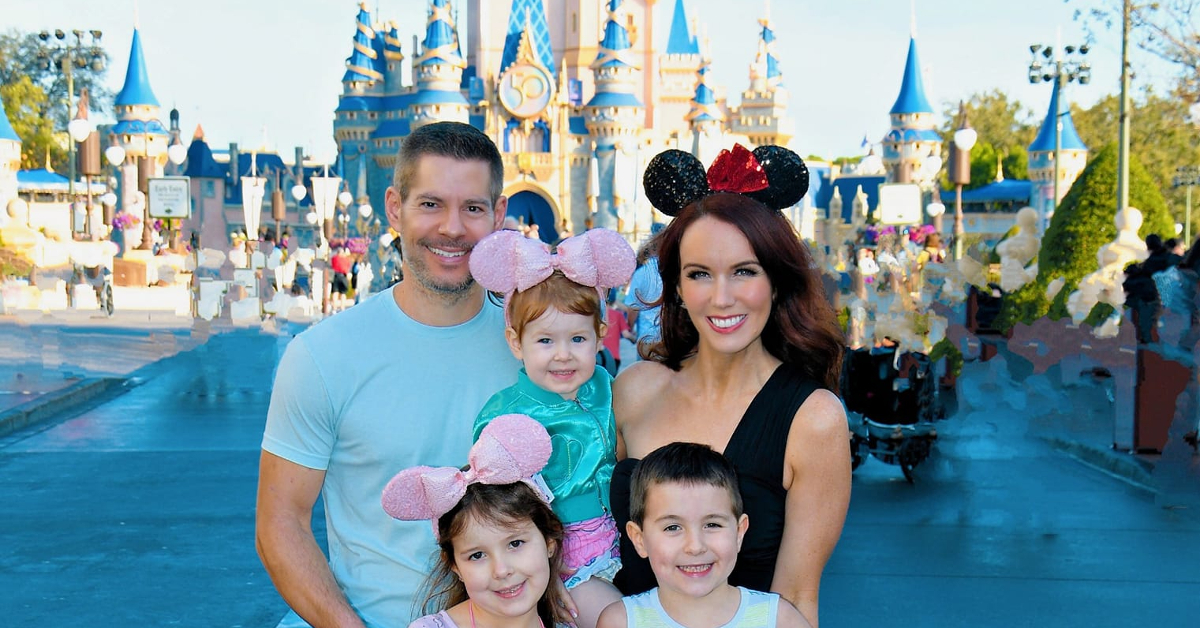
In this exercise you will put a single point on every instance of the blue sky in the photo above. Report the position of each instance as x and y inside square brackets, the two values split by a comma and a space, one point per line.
[239, 66]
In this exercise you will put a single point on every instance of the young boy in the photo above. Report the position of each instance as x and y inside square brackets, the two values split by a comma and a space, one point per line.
[686, 518]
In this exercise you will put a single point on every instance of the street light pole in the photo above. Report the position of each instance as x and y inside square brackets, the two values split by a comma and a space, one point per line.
[960, 172]
[1066, 68]
[1189, 177]
[65, 57]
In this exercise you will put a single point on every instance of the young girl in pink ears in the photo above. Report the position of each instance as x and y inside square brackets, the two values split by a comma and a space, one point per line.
[499, 542]
[554, 306]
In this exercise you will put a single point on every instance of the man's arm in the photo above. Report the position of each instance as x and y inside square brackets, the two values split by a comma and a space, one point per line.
[287, 547]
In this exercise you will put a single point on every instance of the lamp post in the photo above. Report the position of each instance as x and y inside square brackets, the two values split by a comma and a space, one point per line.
[115, 156]
[1065, 66]
[960, 172]
[1189, 177]
[66, 57]
[325, 199]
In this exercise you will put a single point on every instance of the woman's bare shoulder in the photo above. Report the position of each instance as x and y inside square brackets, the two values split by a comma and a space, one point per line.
[637, 387]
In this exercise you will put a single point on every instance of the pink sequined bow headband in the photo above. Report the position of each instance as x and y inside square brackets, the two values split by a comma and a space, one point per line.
[512, 448]
[508, 262]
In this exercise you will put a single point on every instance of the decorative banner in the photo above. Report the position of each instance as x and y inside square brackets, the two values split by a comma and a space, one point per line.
[170, 197]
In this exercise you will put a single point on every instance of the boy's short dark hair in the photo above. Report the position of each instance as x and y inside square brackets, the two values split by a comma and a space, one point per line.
[684, 463]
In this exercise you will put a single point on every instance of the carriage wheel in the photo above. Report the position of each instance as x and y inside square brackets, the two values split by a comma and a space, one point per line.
[106, 300]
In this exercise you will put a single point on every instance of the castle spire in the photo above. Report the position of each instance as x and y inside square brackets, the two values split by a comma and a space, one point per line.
[682, 41]
[704, 109]
[440, 46]
[764, 72]
[136, 91]
[528, 15]
[912, 87]
[361, 66]
[1044, 142]
[615, 49]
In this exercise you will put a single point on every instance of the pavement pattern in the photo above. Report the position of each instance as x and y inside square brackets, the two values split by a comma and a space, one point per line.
[136, 507]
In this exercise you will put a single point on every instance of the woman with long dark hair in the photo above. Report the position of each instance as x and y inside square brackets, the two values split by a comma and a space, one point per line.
[749, 357]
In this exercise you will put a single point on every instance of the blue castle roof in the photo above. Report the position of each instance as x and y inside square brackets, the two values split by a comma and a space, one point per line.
[137, 83]
[532, 12]
[614, 46]
[441, 41]
[200, 162]
[682, 41]
[139, 127]
[6, 129]
[1045, 138]
[912, 88]
[1008, 190]
[363, 60]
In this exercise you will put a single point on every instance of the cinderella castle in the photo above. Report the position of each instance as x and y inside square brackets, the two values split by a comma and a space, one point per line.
[578, 94]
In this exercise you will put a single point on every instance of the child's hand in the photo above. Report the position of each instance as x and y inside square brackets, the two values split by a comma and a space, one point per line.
[568, 611]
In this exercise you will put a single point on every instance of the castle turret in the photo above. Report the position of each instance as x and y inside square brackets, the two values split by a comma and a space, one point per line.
[912, 137]
[10, 159]
[614, 118]
[138, 129]
[677, 70]
[1041, 158]
[438, 71]
[705, 118]
[362, 74]
[393, 59]
[762, 114]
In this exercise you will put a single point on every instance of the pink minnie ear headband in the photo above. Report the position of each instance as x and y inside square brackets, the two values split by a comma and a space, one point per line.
[771, 175]
[508, 262]
[512, 448]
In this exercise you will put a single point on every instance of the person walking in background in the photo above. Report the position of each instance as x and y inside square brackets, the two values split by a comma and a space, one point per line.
[618, 328]
[645, 290]
[342, 420]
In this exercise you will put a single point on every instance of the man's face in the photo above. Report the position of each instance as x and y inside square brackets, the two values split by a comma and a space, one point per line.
[448, 210]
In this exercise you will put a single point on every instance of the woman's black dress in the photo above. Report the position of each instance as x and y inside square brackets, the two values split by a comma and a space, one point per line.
[756, 449]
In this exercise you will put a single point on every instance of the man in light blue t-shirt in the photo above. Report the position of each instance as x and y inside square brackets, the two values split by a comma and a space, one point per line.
[393, 382]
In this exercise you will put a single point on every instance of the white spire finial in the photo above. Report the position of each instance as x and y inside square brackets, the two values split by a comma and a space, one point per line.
[136, 16]
[912, 25]
[767, 10]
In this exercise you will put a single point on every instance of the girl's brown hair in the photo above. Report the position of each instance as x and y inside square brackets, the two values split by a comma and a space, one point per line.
[556, 292]
[802, 328]
[503, 505]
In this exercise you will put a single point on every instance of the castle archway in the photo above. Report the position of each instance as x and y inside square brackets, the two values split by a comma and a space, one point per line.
[533, 207]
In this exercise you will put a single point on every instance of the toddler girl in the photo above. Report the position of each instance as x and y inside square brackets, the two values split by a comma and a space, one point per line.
[554, 306]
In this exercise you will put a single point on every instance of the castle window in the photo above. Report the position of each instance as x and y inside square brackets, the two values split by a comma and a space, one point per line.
[372, 115]
[574, 22]
[209, 189]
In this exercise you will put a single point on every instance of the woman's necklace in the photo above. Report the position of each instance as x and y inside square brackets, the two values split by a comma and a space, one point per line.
[471, 611]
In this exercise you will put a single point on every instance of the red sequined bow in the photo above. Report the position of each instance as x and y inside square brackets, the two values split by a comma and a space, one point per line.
[736, 171]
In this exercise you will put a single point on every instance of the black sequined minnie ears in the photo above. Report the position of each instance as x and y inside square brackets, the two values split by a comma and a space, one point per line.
[771, 175]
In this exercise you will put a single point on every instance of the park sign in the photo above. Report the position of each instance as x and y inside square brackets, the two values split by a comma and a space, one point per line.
[900, 204]
[170, 197]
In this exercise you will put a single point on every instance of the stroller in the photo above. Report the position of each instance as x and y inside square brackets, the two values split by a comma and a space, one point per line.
[99, 277]
[892, 400]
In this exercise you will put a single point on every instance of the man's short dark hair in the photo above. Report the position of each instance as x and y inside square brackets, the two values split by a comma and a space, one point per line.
[447, 139]
[683, 463]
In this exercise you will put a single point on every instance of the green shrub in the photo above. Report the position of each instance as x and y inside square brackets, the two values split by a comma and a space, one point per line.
[1083, 222]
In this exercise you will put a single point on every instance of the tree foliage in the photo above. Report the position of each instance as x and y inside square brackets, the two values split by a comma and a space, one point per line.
[1160, 134]
[35, 96]
[1085, 221]
[26, 105]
